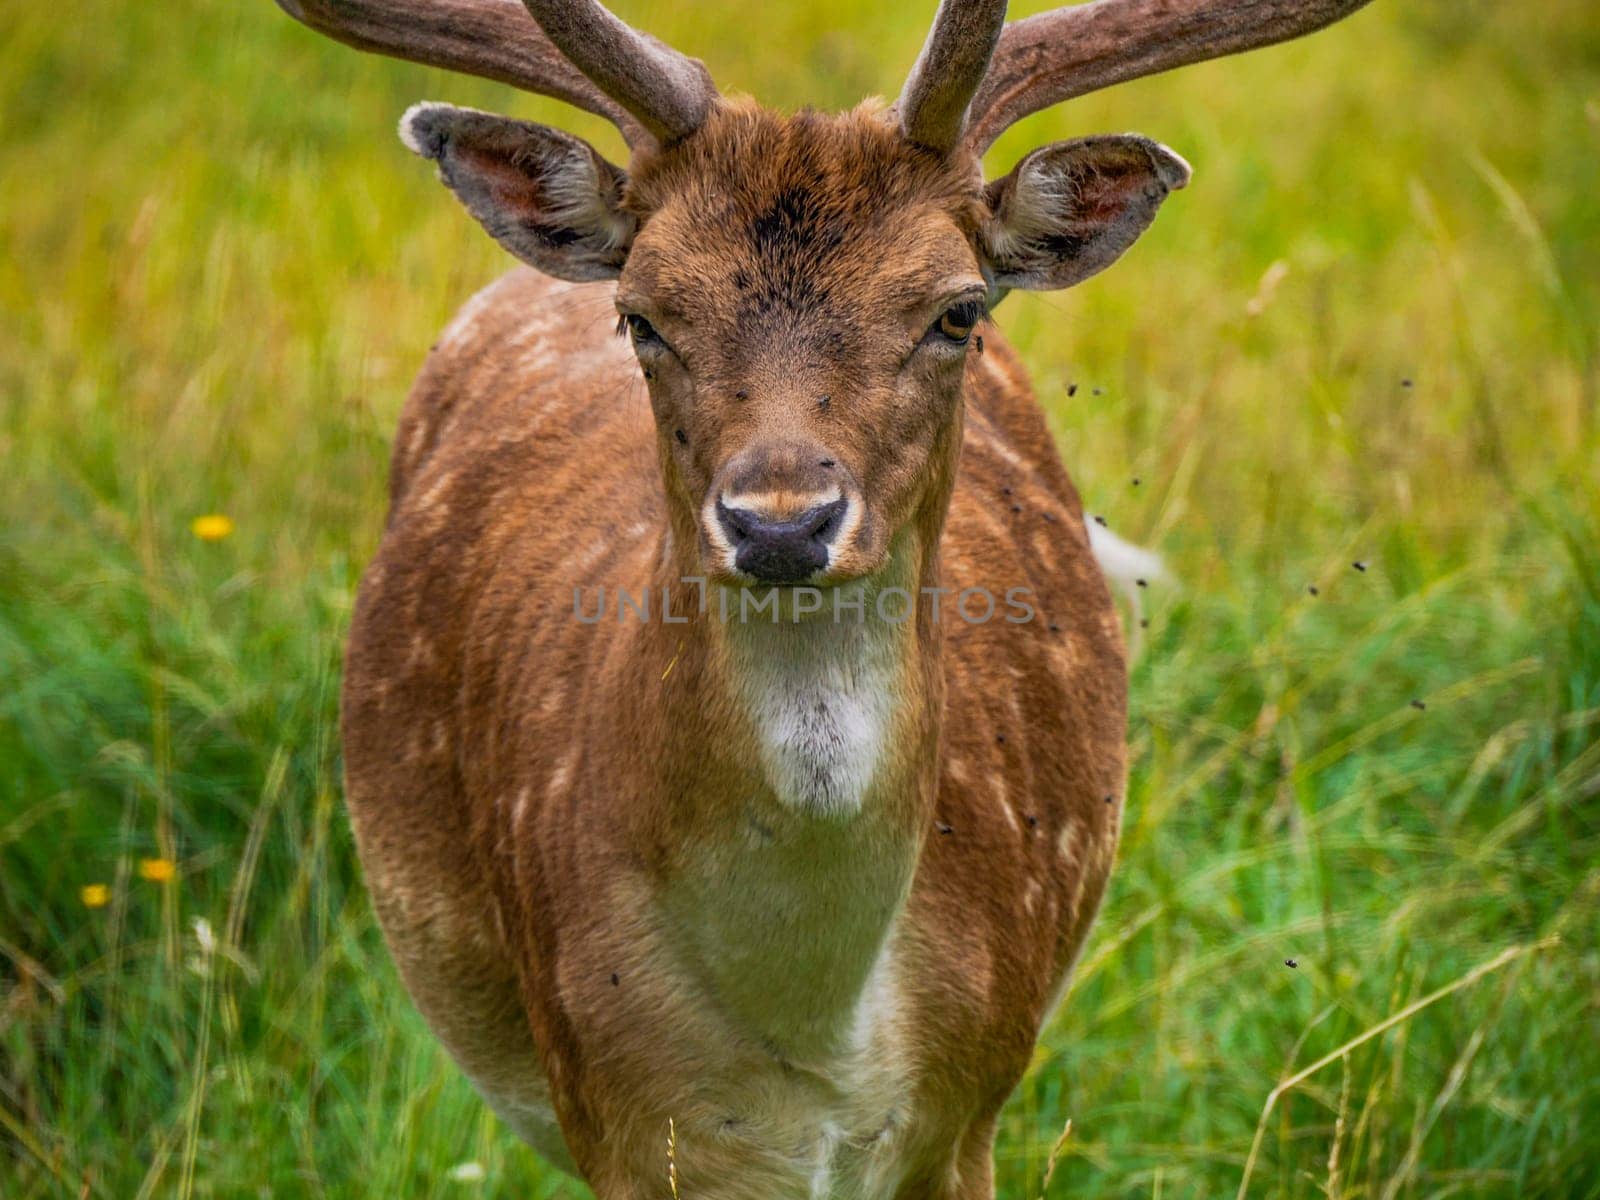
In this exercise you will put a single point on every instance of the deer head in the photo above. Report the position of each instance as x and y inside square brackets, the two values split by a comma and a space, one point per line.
[802, 292]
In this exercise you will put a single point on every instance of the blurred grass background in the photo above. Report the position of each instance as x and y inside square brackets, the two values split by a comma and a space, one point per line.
[1367, 332]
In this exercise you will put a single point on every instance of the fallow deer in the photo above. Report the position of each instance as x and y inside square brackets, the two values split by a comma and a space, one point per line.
[804, 876]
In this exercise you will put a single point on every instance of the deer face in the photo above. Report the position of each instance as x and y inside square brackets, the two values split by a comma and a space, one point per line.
[802, 294]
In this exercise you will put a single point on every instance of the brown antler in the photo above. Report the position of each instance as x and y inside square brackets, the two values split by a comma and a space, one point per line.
[933, 106]
[668, 93]
[646, 90]
[1069, 52]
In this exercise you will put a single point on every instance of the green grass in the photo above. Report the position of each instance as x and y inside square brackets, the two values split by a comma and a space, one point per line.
[219, 269]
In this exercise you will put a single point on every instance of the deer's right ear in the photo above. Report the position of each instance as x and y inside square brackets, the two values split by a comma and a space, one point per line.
[544, 195]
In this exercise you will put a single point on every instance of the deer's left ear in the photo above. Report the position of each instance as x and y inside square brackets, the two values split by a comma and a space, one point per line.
[1071, 208]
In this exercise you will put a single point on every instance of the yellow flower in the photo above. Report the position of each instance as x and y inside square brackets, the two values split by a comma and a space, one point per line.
[157, 870]
[212, 527]
[95, 895]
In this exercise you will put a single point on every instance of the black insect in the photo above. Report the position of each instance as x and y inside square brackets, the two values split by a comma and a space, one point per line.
[1016, 508]
[614, 980]
[1144, 622]
[1418, 705]
[1359, 565]
[1111, 799]
[979, 341]
[1099, 391]
[1290, 963]
[1142, 582]
[1006, 491]
[1033, 821]
[1135, 481]
[823, 402]
[1101, 521]
[945, 829]
[682, 440]
[1051, 517]
[1313, 590]
[1405, 383]
[1054, 628]
[1001, 738]
[1072, 389]
[741, 394]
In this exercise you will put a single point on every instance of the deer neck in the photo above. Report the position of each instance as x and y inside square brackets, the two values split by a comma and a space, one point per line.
[801, 777]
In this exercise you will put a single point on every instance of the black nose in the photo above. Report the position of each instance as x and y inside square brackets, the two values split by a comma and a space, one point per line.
[781, 551]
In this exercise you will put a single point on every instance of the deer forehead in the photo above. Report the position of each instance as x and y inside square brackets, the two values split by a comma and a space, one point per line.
[759, 216]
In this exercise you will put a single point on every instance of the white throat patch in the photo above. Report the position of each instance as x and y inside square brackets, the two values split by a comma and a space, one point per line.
[822, 696]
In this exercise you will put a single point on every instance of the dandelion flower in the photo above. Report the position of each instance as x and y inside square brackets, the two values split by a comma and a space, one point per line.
[157, 870]
[212, 527]
[95, 895]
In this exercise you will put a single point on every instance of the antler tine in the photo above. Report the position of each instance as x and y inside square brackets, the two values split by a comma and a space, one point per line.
[1069, 52]
[933, 106]
[667, 92]
[494, 39]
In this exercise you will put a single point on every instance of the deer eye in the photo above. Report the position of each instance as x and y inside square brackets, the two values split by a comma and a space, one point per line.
[956, 323]
[639, 330]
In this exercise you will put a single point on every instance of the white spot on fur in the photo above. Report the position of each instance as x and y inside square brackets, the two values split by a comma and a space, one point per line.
[561, 778]
[585, 557]
[456, 332]
[419, 434]
[534, 348]
[1003, 800]
[997, 445]
[430, 498]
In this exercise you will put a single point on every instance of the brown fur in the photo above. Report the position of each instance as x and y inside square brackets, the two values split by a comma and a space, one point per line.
[548, 811]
